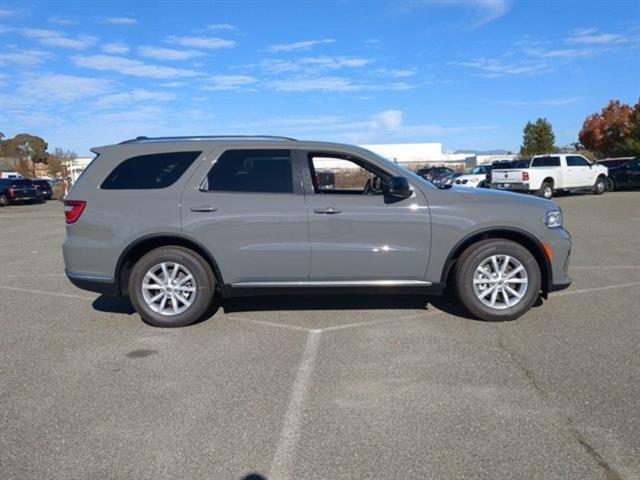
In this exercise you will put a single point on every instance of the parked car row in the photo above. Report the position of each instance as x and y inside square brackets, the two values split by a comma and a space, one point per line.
[16, 190]
[544, 175]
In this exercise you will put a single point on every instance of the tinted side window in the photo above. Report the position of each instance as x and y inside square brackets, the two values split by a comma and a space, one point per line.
[546, 162]
[575, 161]
[158, 170]
[260, 171]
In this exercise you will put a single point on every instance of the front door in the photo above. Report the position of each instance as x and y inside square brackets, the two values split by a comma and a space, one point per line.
[356, 233]
[248, 209]
[580, 171]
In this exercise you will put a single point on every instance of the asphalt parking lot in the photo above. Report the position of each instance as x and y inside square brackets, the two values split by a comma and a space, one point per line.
[323, 387]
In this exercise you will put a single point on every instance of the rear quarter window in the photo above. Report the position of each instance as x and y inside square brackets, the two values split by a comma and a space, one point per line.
[147, 172]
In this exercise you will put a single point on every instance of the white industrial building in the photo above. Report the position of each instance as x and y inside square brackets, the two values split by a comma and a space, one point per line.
[419, 154]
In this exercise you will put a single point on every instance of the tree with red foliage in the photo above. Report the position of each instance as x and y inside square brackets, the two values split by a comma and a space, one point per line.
[613, 131]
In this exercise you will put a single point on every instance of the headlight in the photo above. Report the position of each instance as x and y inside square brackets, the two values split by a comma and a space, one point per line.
[553, 219]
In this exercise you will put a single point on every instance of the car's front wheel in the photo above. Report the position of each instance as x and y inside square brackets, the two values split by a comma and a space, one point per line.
[171, 287]
[497, 279]
[4, 201]
[600, 186]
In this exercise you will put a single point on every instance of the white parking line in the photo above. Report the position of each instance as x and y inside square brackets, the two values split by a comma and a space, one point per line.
[266, 323]
[284, 457]
[597, 267]
[43, 292]
[383, 320]
[26, 275]
[595, 289]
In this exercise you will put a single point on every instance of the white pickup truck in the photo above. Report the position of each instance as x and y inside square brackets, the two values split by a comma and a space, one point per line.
[549, 173]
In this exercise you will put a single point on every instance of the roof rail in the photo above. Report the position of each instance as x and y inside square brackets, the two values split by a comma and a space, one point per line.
[143, 139]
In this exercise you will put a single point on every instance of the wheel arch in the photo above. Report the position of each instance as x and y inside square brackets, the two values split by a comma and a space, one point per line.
[517, 235]
[136, 249]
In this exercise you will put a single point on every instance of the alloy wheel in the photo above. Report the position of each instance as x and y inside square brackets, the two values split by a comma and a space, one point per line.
[500, 282]
[169, 288]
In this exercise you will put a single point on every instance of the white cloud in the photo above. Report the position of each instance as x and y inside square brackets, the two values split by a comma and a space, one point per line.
[53, 38]
[119, 20]
[384, 125]
[221, 27]
[298, 46]
[395, 72]
[496, 68]
[126, 98]
[202, 42]
[115, 48]
[161, 53]
[229, 82]
[328, 83]
[554, 102]
[321, 84]
[57, 88]
[173, 84]
[313, 64]
[389, 119]
[592, 36]
[127, 66]
[483, 11]
[24, 58]
[65, 22]
[558, 53]
[8, 12]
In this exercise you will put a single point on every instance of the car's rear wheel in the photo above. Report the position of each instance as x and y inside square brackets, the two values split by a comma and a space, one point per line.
[4, 201]
[600, 186]
[171, 287]
[611, 186]
[546, 190]
[497, 279]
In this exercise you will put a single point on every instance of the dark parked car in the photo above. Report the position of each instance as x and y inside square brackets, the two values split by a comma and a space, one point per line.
[326, 180]
[434, 174]
[623, 172]
[14, 190]
[44, 188]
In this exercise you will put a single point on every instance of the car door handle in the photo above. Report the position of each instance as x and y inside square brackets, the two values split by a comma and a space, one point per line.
[326, 211]
[203, 208]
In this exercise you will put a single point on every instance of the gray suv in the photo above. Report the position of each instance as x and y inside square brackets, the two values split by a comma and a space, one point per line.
[174, 222]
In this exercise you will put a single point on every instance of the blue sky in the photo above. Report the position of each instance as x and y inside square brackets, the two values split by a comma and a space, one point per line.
[466, 73]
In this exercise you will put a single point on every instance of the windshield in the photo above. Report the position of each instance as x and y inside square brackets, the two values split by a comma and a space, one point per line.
[477, 170]
[408, 173]
[614, 163]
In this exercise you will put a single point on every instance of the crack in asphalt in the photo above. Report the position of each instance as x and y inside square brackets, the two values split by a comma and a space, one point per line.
[610, 472]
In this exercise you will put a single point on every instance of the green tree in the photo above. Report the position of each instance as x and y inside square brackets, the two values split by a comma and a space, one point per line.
[25, 145]
[537, 138]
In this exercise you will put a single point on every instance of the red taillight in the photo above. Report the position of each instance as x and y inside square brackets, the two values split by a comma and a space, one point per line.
[73, 209]
[525, 176]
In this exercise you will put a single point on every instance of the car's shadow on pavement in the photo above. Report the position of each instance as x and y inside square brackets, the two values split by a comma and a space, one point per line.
[447, 303]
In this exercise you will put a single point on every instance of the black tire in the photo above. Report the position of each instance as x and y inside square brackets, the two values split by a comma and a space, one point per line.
[473, 257]
[204, 281]
[611, 184]
[600, 186]
[4, 201]
[546, 190]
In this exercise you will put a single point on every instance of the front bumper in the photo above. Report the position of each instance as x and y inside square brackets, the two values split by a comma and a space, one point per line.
[559, 240]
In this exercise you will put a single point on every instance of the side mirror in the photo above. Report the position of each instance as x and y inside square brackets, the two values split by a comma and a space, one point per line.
[398, 187]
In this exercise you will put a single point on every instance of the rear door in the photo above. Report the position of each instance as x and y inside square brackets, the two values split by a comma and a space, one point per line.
[24, 190]
[247, 207]
[358, 235]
